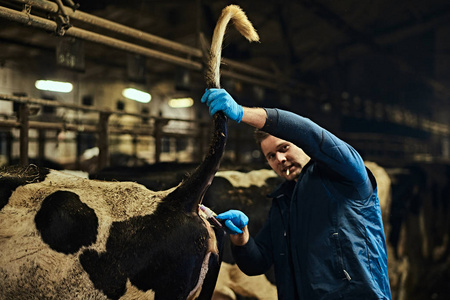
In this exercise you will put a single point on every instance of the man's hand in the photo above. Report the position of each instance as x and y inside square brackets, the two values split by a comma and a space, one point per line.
[220, 100]
[236, 221]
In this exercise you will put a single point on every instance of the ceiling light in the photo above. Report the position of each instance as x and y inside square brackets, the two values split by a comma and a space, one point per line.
[181, 102]
[137, 95]
[54, 86]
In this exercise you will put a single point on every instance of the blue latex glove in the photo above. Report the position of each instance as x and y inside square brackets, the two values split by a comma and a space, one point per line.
[235, 220]
[220, 100]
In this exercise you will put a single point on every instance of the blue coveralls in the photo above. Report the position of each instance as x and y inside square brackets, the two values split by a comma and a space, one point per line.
[324, 233]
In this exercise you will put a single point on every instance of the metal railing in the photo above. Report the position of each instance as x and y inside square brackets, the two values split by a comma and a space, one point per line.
[154, 127]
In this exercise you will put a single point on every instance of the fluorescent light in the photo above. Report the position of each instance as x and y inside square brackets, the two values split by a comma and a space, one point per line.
[181, 102]
[54, 86]
[137, 95]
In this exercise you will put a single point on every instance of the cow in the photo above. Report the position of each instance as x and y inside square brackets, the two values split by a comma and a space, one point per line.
[67, 237]
[420, 231]
[244, 190]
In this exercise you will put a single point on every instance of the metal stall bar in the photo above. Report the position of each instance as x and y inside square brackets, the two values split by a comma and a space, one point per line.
[29, 100]
[43, 102]
[79, 128]
[141, 35]
[146, 37]
[261, 82]
[41, 23]
[104, 129]
[112, 26]
[248, 69]
[24, 113]
[103, 153]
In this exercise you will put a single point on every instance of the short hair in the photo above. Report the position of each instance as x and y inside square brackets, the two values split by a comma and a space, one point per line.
[260, 136]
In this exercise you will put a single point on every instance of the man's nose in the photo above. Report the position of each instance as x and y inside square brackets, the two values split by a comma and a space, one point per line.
[281, 157]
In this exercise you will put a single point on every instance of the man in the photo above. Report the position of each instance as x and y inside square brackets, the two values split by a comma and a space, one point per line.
[324, 233]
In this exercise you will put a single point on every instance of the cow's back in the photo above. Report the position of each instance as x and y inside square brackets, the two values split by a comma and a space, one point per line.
[48, 218]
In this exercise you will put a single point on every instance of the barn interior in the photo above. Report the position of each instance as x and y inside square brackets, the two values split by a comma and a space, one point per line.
[375, 73]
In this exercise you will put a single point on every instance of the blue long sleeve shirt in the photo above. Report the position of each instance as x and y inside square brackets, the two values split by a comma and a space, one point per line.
[324, 233]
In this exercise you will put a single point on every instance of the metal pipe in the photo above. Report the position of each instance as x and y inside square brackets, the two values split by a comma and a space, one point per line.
[62, 126]
[112, 26]
[248, 69]
[41, 146]
[146, 37]
[103, 144]
[149, 131]
[26, 100]
[24, 114]
[249, 79]
[67, 105]
[50, 126]
[9, 123]
[45, 24]
[264, 83]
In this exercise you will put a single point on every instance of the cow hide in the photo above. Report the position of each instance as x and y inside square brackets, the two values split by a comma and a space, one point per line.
[66, 237]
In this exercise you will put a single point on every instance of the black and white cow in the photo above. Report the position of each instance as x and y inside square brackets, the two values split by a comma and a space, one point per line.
[67, 237]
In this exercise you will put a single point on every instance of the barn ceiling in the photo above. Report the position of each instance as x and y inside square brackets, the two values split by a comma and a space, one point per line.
[389, 51]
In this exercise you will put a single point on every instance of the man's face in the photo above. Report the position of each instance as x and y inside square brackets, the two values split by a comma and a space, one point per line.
[286, 159]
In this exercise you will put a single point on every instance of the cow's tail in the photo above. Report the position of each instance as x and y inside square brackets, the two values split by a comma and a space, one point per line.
[190, 193]
[211, 163]
[243, 25]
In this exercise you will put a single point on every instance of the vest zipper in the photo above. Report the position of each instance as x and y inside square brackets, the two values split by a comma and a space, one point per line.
[335, 236]
[347, 276]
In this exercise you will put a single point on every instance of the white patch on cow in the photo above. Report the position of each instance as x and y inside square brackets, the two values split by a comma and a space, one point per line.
[133, 293]
[29, 266]
[197, 289]
[81, 174]
[232, 281]
[255, 177]
[212, 240]
[384, 186]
